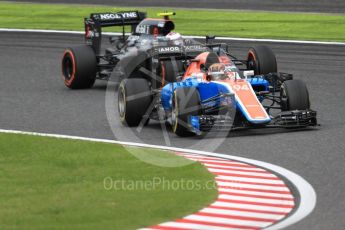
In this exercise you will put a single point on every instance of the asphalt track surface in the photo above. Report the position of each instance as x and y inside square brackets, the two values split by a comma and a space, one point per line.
[33, 98]
[326, 6]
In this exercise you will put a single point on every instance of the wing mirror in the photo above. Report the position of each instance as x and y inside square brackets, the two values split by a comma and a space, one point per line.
[248, 73]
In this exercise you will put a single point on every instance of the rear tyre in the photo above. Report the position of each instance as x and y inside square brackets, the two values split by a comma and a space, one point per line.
[294, 95]
[169, 70]
[186, 103]
[79, 67]
[262, 60]
[134, 98]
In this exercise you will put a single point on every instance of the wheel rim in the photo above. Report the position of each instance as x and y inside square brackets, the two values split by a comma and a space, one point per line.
[252, 62]
[122, 103]
[174, 115]
[283, 99]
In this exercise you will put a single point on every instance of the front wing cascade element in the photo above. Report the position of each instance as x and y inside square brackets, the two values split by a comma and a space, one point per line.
[218, 113]
[295, 118]
[207, 123]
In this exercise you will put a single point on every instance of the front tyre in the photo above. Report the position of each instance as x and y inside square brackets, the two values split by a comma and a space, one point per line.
[294, 95]
[134, 98]
[186, 103]
[79, 67]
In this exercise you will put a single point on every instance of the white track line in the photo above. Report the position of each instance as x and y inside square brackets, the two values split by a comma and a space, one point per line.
[193, 37]
[307, 194]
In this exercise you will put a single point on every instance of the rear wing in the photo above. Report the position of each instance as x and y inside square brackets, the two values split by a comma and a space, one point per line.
[93, 25]
[118, 19]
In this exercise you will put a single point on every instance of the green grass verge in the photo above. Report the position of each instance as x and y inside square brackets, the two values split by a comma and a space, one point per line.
[49, 183]
[322, 27]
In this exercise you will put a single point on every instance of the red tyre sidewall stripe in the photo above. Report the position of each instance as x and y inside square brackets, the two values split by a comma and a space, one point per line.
[163, 73]
[251, 53]
[69, 81]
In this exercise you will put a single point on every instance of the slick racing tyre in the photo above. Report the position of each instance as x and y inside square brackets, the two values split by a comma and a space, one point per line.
[294, 95]
[79, 67]
[262, 60]
[134, 98]
[186, 103]
[169, 71]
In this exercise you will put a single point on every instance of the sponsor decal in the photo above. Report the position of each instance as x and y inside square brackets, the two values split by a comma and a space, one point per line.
[142, 29]
[133, 37]
[168, 49]
[129, 15]
[108, 16]
[117, 16]
[240, 87]
[192, 48]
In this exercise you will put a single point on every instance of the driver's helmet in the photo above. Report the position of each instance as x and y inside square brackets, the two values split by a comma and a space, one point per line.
[216, 72]
[174, 38]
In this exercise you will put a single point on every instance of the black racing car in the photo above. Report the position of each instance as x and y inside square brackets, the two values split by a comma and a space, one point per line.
[82, 65]
[135, 56]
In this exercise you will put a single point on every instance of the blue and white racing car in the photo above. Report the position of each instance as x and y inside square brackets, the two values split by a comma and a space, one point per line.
[215, 93]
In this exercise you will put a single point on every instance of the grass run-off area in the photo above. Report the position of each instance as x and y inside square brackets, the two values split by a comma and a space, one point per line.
[302, 26]
[50, 183]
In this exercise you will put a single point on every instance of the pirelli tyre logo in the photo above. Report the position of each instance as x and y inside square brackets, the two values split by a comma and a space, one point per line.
[168, 49]
[117, 16]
